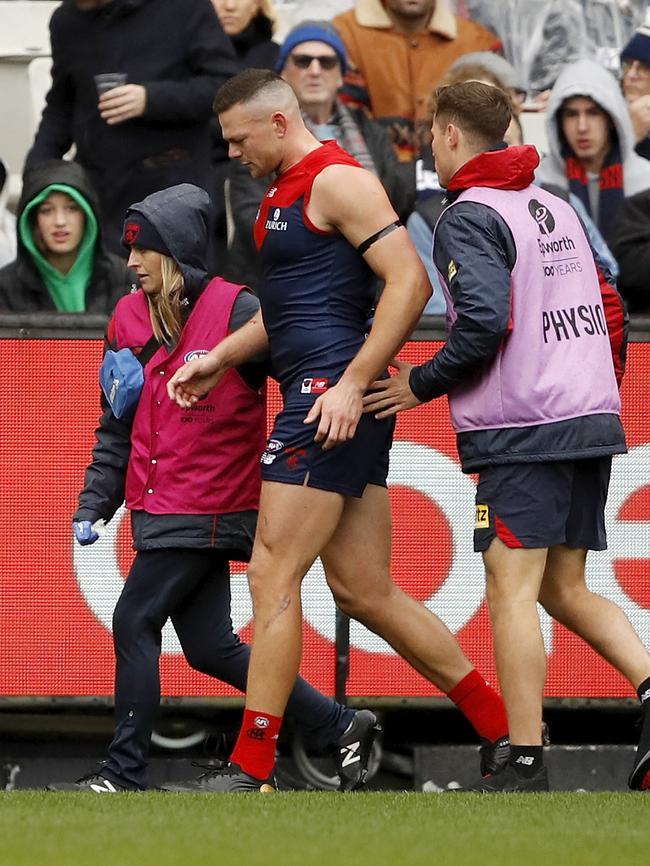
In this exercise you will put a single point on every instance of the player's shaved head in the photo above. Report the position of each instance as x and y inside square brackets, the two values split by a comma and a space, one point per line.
[257, 88]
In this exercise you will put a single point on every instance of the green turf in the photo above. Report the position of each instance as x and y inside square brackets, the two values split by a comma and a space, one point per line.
[294, 829]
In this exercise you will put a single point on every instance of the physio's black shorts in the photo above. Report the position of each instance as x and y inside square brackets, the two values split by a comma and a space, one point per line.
[292, 456]
[543, 504]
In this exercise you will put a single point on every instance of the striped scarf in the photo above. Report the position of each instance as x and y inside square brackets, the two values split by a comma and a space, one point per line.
[610, 182]
[350, 137]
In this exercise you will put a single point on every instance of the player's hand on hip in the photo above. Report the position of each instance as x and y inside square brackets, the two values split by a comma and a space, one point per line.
[191, 382]
[393, 395]
[122, 103]
[338, 411]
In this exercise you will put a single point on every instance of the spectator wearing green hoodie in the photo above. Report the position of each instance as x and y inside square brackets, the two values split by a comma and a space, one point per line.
[61, 263]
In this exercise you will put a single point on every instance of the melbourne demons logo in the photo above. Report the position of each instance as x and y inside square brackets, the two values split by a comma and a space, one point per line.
[194, 354]
[131, 232]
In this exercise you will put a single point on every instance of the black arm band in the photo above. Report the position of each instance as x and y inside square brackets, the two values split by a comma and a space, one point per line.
[365, 245]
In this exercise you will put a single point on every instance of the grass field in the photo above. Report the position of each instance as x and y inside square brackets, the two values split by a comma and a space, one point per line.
[296, 829]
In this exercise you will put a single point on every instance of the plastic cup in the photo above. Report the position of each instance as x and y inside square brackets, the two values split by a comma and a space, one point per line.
[106, 81]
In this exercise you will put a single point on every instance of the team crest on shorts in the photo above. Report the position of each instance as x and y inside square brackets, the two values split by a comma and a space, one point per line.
[482, 520]
[314, 385]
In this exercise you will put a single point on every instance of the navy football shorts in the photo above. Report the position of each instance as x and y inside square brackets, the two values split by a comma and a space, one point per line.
[292, 456]
[543, 504]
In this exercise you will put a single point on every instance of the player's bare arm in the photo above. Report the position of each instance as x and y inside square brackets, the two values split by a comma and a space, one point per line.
[195, 379]
[352, 201]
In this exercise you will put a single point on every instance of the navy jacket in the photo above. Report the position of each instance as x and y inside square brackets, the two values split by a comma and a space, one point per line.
[181, 55]
[482, 299]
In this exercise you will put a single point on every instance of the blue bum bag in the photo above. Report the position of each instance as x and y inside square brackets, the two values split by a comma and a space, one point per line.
[121, 377]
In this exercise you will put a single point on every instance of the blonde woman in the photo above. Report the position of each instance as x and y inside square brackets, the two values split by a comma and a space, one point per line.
[250, 24]
[191, 479]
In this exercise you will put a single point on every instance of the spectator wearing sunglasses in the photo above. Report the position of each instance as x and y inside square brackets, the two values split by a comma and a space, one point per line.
[313, 61]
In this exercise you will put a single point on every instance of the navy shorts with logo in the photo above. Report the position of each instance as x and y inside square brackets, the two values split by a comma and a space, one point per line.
[292, 456]
[543, 504]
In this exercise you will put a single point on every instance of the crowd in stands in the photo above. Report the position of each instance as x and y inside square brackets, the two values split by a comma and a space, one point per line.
[133, 82]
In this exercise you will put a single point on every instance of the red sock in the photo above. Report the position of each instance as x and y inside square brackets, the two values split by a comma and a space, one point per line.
[255, 747]
[481, 706]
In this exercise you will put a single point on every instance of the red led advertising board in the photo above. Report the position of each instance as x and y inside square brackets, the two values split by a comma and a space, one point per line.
[56, 598]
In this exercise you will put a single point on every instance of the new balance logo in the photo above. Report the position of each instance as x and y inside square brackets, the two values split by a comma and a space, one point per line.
[105, 788]
[350, 752]
[527, 760]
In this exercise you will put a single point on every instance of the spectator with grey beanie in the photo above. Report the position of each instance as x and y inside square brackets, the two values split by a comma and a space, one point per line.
[312, 31]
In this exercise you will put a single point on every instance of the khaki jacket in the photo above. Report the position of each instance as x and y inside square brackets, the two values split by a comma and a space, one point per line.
[394, 74]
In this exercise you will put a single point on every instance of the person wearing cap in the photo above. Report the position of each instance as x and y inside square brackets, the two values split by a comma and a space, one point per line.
[635, 61]
[398, 52]
[313, 61]
[61, 264]
[191, 479]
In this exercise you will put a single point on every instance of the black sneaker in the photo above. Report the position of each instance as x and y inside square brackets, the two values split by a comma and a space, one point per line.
[93, 783]
[226, 779]
[640, 776]
[353, 750]
[507, 780]
[494, 755]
